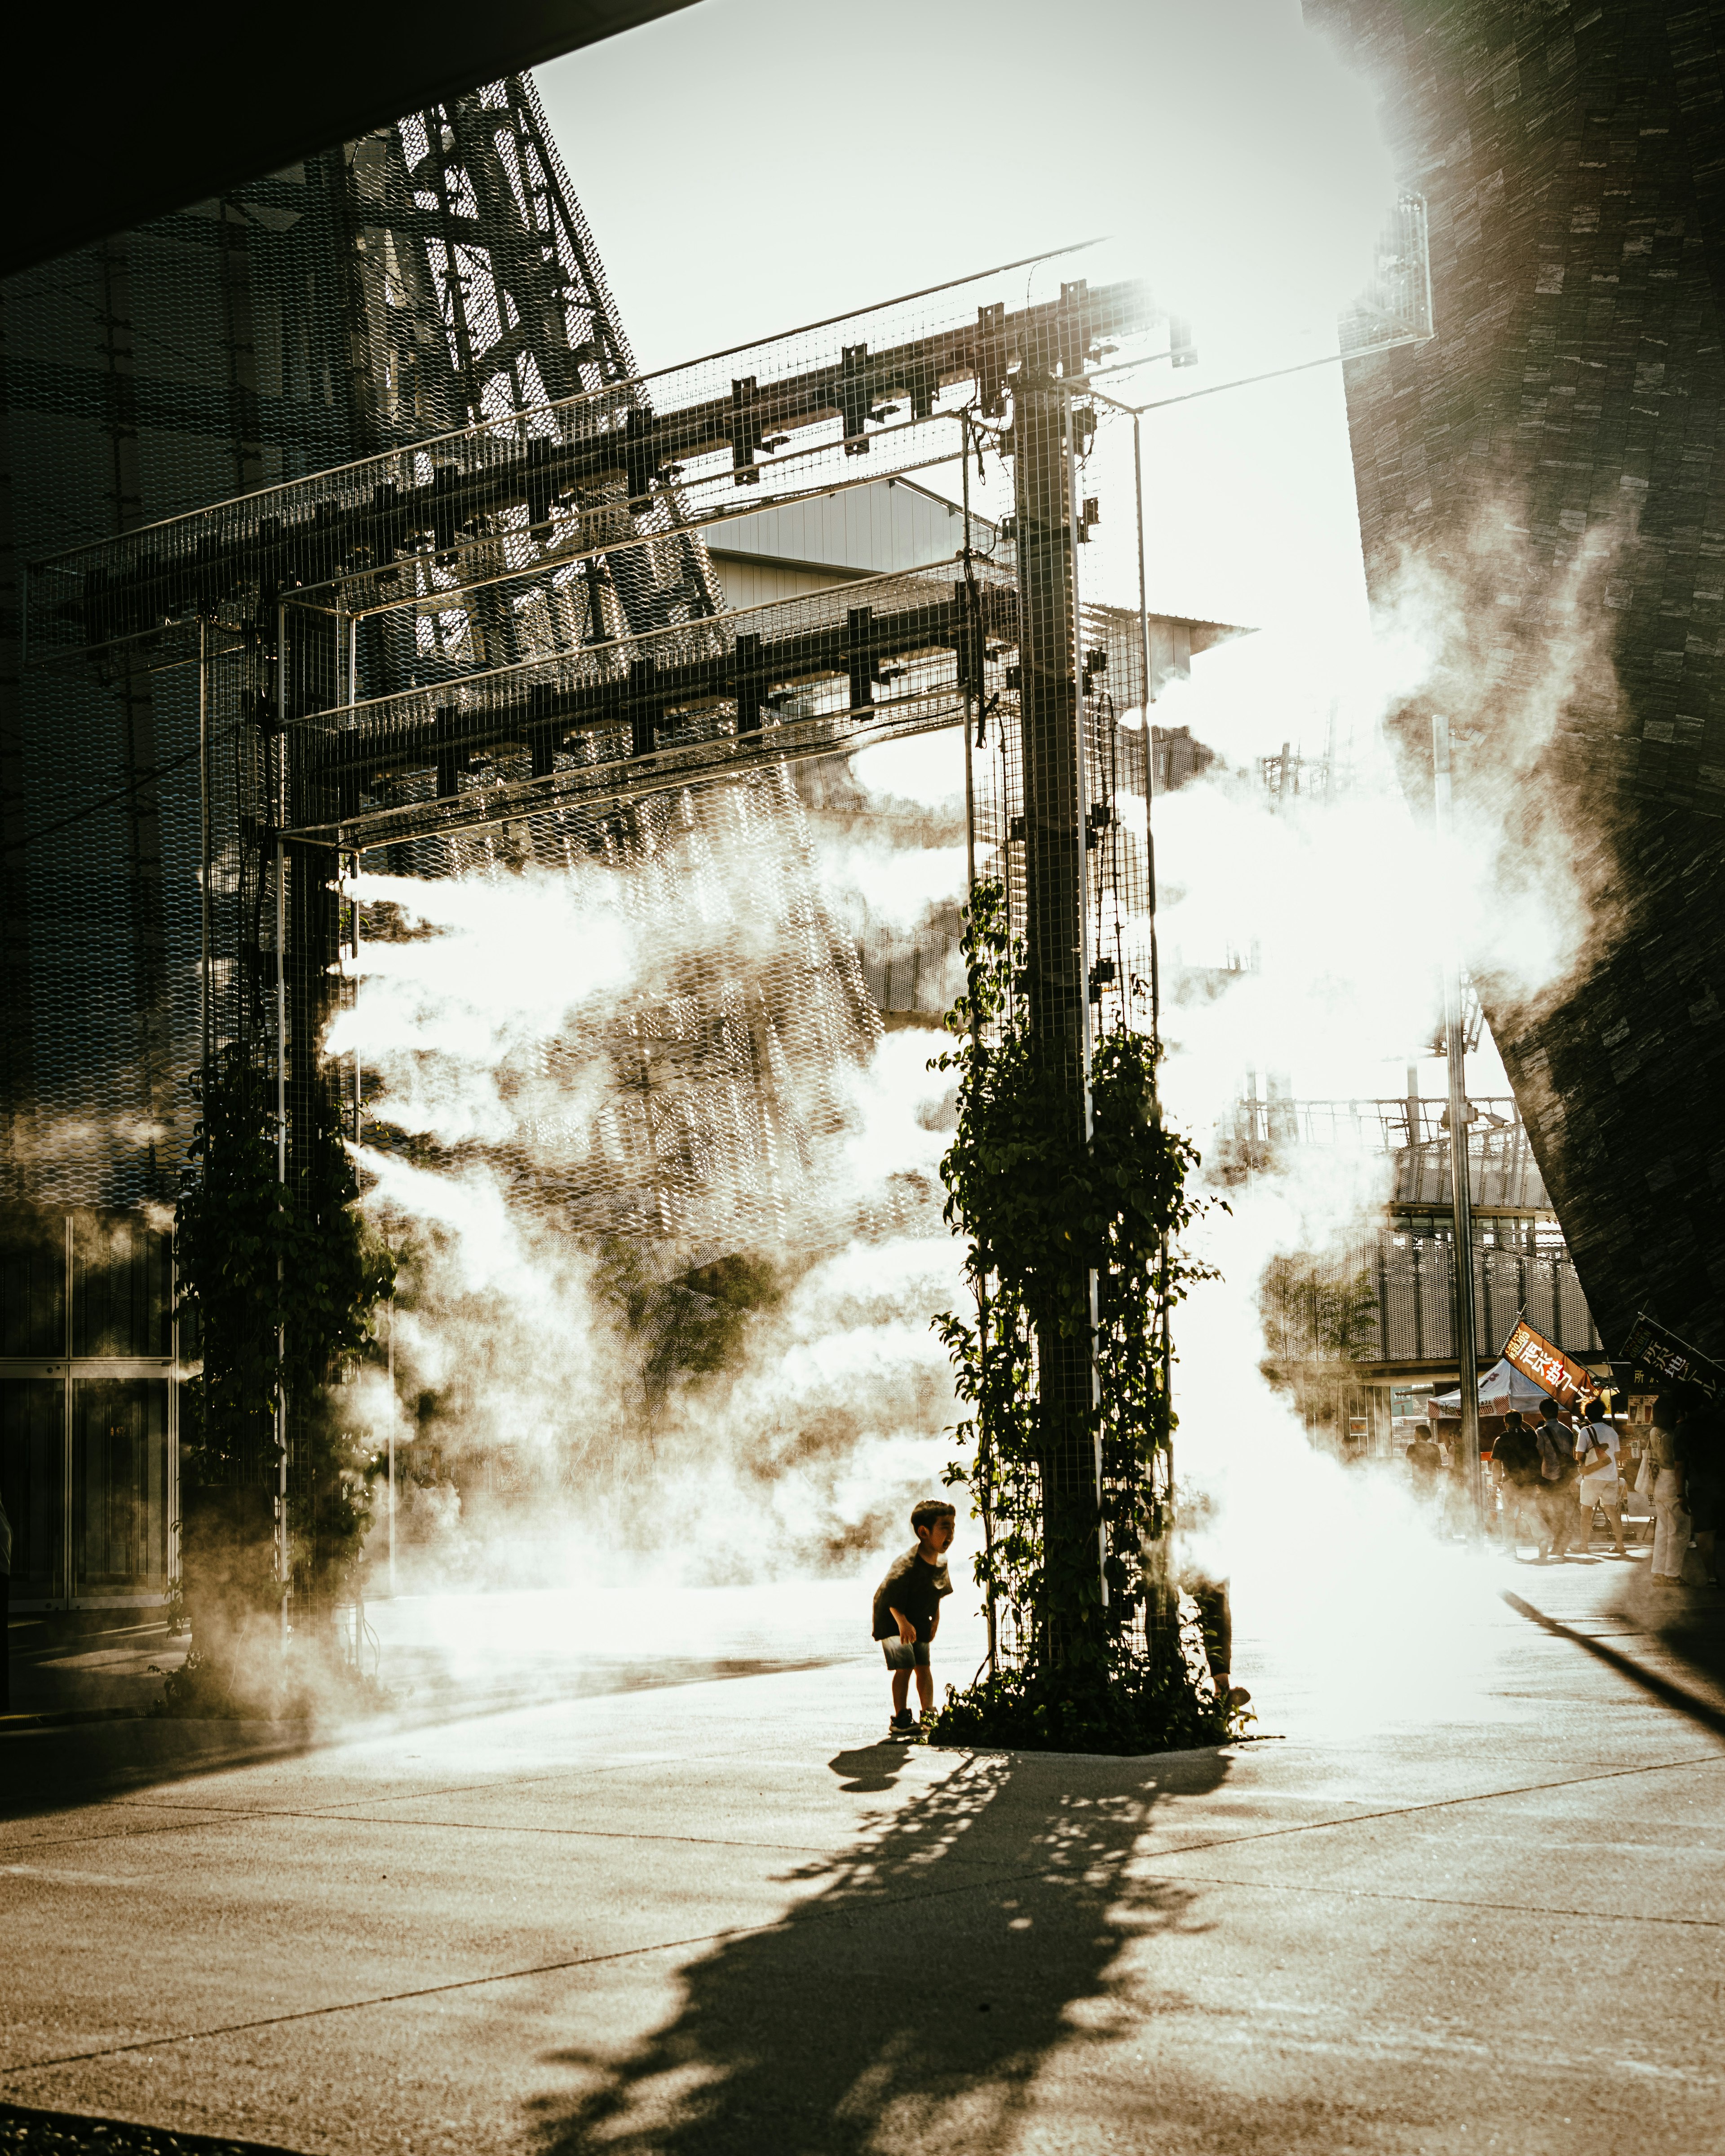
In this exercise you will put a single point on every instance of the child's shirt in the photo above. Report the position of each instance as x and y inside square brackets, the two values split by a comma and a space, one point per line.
[915, 1587]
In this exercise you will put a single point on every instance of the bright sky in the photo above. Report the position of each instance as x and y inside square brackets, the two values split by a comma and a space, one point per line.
[748, 165]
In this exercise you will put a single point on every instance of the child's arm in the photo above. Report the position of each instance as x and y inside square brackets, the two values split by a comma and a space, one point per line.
[906, 1629]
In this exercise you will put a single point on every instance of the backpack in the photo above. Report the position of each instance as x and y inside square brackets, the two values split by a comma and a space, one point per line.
[1606, 1460]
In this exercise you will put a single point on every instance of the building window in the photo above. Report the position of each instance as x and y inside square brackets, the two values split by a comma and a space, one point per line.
[89, 1466]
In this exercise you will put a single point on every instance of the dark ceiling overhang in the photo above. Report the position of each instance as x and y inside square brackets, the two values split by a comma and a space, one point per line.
[152, 107]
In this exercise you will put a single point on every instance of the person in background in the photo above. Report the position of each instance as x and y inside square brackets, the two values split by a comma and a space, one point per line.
[1597, 1483]
[1215, 1618]
[1425, 1463]
[1701, 1442]
[1629, 1468]
[1452, 1486]
[1557, 1474]
[1515, 1464]
[5, 1611]
[1671, 1522]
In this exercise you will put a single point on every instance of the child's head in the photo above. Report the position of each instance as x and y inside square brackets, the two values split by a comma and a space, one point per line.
[936, 1524]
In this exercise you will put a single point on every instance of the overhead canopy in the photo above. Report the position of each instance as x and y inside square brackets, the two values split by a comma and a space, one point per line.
[128, 114]
[1502, 1389]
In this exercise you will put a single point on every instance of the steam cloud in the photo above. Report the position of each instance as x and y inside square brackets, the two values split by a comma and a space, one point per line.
[565, 1434]
[487, 1025]
[1348, 905]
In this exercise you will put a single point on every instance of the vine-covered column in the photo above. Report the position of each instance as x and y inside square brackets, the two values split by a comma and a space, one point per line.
[1042, 1205]
[1056, 993]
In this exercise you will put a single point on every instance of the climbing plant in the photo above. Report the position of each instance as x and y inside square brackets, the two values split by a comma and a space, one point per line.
[1049, 1216]
[278, 1283]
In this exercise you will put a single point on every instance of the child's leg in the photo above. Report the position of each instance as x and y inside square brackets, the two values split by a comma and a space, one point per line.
[901, 1691]
[925, 1685]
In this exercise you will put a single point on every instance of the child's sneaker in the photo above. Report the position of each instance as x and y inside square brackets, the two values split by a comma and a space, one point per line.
[902, 1725]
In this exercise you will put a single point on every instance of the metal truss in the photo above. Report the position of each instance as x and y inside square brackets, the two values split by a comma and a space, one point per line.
[467, 648]
[641, 453]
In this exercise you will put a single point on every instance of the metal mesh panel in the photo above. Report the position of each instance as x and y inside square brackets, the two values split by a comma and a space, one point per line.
[539, 480]
[725, 1078]
[434, 274]
[1410, 1279]
[512, 638]
[501, 646]
[193, 357]
[888, 652]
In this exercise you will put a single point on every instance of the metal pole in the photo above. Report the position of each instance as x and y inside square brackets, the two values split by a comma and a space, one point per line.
[283, 1570]
[1149, 759]
[1086, 959]
[985, 1496]
[203, 1042]
[1056, 912]
[69, 1517]
[358, 1075]
[392, 1445]
[1460, 1115]
[1086, 1036]
[1157, 1566]
[969, 776]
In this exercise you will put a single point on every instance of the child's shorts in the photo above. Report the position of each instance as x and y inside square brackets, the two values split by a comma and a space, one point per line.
[898, 1656]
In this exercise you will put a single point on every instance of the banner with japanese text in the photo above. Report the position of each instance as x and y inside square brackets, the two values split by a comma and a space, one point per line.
[1534, 1356]
[1668, 1360]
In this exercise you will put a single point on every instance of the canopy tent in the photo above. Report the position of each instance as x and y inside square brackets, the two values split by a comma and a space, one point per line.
[1502, 1390]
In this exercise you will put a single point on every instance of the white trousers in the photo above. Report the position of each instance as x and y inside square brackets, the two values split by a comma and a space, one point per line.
[1670, 1526]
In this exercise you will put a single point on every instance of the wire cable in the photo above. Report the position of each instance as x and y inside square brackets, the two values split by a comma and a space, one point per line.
[109, 800]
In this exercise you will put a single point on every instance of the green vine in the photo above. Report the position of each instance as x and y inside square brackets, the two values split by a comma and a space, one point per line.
[280, 1281]
[1051, 1215]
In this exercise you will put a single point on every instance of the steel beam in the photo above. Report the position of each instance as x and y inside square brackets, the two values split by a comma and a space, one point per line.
[615, 448]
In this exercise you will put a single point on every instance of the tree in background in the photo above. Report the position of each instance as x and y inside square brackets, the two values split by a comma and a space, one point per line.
[1319, 1315]
[278, 1285]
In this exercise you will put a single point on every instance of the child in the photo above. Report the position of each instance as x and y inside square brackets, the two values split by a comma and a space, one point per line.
[907, 1609]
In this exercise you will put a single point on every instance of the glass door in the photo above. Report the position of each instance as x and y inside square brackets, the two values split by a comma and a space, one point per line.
[120, 1483]
[32, 1483]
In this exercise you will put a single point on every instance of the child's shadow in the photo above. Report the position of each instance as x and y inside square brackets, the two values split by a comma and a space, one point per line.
[873, 1767]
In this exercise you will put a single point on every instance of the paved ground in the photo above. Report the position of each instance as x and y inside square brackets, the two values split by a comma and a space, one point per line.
[440, 1654]
[718, 1916]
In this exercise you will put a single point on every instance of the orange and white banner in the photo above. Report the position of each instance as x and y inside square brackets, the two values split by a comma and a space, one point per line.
[1534, 1356]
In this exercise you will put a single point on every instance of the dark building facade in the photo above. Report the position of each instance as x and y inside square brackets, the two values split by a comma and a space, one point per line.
[1554, 457]
[288, 362]
[428, 274]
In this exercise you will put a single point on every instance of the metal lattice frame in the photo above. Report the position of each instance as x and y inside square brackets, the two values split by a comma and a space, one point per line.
[579, 698]
[491, 638]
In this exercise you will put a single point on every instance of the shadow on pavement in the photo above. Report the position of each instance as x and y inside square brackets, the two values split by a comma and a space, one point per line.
[1676, 1696]
[1668, 1640]
[919, 1979]
[1687, 1621]
[46, 1770]
[82, 1660]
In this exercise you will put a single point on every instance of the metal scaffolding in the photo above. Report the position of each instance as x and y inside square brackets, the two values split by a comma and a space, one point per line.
[500, 643]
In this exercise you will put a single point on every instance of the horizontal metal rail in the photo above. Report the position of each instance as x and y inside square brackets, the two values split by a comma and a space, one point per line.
[732, 672]
[487, 806]
[608, 451]
[283, 494]
[595, 534]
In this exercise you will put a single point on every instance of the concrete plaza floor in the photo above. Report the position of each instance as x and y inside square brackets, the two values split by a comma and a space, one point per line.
[719, 1913]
